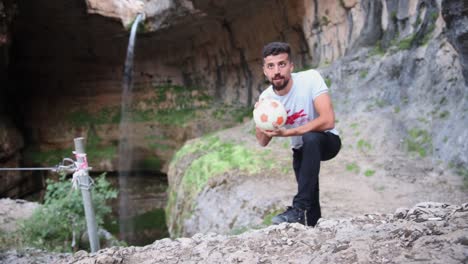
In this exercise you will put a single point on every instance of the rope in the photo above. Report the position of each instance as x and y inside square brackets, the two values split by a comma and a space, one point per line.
[79, 168]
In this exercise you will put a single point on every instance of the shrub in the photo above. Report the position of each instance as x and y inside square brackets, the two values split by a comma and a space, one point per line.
[61, 220]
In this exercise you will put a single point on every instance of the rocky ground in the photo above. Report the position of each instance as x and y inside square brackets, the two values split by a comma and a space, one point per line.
[425, 233]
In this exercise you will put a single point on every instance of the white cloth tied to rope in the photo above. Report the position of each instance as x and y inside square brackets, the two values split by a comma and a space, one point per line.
[81, 170]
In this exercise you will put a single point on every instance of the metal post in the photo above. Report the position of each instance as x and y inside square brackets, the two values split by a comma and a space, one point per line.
[86, 194]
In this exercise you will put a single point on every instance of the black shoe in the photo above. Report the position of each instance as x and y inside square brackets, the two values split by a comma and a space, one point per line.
[291, 215]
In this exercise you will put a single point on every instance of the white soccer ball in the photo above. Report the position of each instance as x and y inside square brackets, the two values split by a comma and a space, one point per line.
[268, 113]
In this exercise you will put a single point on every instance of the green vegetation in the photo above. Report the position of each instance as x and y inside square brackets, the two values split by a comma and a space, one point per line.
[369, 173]
[463, 172]
[363, 145]
[304, 68]
[214, 157]
[342, 4]
[417, 22]
[405, 100]
[325, 21]
[353, 167]
[406, 43]
[268, 217]
[181, 105]
[151, 163]
[444, 114]
[378, 50]
[240, 113]
[49, 157]
[396, 109]
[363, 73]
[94, 151]
[107, 115]
[419, 141]
[380, 103]
[180, 96]
[221, 157]
[423, 120]
[328, 82]
[52, 226]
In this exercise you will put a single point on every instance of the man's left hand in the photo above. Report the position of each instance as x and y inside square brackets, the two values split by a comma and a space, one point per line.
[276, 132]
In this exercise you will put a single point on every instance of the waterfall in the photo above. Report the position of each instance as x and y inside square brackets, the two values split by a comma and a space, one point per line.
[125, 142]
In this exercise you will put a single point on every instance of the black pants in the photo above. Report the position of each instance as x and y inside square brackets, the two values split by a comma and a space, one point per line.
[316, 147]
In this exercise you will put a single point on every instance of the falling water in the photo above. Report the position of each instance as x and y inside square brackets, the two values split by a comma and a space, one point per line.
[125, 143]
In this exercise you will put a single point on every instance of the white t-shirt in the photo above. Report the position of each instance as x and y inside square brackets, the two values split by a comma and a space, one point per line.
[299, 101]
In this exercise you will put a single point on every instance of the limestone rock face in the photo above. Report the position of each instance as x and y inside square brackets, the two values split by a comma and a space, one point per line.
[126, 10]
[455, 14]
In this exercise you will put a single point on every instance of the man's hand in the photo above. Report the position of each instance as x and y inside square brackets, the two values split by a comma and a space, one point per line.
[276, 132]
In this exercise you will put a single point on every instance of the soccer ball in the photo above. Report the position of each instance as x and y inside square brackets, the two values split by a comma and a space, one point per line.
[269, 112]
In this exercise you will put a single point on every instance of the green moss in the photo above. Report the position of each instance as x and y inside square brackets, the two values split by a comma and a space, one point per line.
[444, 114]
[268, 217]
[178, 117]
[419, 141]
[171, 201]
[378, 50]
[396, 109]
[184, 96]
[369, 173]
[423, 120]
[152, 163]
[405, 100]
[95, 153]
[95, 150]
[380, 103]
[81, 117]
[363, 74]
[417, 22]
[214, 157]
[406, 43]
[304, 68]
[325, 21]
[46, 158]
[363, 145]
[353, 167]
[240, 113]
[463, 172]
[225, 157]
[328, 82]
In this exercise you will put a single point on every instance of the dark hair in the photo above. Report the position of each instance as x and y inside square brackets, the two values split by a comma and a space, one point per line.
[275, 48]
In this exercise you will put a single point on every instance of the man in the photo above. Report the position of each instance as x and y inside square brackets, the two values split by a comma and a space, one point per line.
[310, 126]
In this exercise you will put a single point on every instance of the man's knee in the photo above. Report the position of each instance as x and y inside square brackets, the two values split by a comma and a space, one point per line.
[312, 139]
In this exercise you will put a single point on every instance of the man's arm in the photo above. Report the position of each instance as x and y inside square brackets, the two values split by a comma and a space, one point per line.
[325, 120]
[262, 138]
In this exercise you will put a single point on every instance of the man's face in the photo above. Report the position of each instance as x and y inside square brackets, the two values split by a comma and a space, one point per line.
[278, 69]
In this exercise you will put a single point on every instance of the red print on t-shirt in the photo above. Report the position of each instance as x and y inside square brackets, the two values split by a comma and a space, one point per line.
[292, 118]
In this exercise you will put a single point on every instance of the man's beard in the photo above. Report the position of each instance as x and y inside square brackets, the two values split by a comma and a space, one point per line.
[280, 87]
